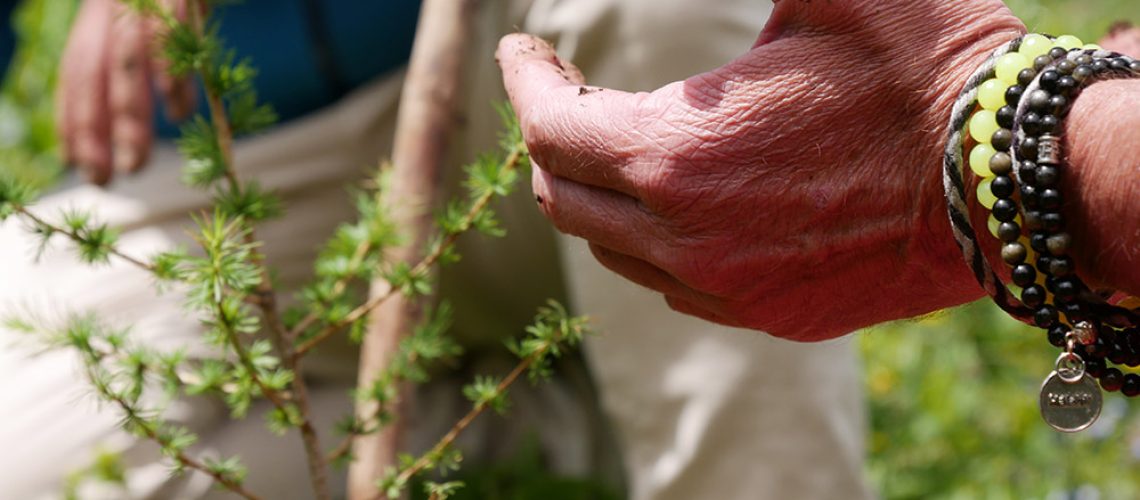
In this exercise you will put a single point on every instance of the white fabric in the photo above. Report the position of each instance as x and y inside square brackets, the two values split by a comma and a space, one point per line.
[700, 411]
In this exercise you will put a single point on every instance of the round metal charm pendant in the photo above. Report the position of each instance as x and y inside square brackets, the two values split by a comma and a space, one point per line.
[1070, 406]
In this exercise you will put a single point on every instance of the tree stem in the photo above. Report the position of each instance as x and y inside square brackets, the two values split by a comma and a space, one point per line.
[426, 118]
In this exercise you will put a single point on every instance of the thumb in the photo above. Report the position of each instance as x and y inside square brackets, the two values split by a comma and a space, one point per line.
[531, 68]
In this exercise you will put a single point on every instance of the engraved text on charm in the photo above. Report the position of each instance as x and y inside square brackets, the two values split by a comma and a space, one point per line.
[1070, 406]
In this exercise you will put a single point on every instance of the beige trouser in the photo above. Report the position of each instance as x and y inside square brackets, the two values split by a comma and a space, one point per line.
[700, 411]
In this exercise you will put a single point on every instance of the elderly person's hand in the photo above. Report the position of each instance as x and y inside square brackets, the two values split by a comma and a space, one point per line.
[794, 190]
[103, 101]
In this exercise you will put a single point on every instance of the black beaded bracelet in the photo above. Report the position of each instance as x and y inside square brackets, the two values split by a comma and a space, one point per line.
[1019, 154]
[1107, 333]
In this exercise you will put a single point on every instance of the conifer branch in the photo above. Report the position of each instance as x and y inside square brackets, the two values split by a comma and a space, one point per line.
[509, 165]
[74, 236]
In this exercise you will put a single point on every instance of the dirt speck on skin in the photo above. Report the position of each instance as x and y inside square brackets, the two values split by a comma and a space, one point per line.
[587, 90]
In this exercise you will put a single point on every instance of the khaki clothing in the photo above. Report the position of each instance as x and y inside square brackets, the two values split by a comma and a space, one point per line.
[698, 410]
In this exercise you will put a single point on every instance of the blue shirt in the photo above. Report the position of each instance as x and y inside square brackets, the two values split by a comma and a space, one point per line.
[309, 53]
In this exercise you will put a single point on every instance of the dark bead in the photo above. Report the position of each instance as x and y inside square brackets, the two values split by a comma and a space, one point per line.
[1073, 311]
[1066, 67]
[1028, 147]
[1049, 124]
[1111, 380]
[1131, 385]
[1050, 198]
[1066, 84]
[1038, 241]
[1066, 288]
[1032, 217]
[1132, 361]
[1134, 66]
[1097, 350]
[1024, 275]
[1013, 253]
[1008, 232]
[1056, 335]
[1029, 191]
[1039, 63]
[1046, 175]
[1058, 52]
[1060, 266]
[1004, 210]
[1108, 335]
[1082, 73]
[1128, 336]
[1027, 170]
[1031, 123]
[1052, 222]
[1117, 353]
[1001, 163]
[1025, 76]
[1045, 316]
[1099, 65]
[1033, 296]
[1005, 115]
[1050, 284]
[1095, 367]
[1059, 244]
[1039, 101]
[1002, 186]
[1058, 103]
[1003, 139]
[1049, 79]
[1083, 60]
[1118, 63]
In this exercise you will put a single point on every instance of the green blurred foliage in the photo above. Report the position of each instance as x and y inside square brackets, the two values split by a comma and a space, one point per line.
[953, 397]
[28, 148]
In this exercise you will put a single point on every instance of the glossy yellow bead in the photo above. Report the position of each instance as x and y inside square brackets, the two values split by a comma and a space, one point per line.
[991, 95]
[980, 160]
[1092, 46]
[1068, 42]
[983, 125]
[1009, 65]
[1034, 45]
[985, 195]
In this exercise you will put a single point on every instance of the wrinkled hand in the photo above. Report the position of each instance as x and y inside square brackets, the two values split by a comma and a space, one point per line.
[103, 101]
[795, 190]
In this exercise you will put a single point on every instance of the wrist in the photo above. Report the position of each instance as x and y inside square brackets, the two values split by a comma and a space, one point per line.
[1102, 138]
[935, 242]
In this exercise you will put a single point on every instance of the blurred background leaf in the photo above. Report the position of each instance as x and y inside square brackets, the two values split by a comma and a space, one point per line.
[27, 134]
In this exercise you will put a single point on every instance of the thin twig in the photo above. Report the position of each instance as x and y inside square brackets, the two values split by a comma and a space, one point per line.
[338, 288]
[423, 266]
[78, 238]
[446, 441]
[148, 431]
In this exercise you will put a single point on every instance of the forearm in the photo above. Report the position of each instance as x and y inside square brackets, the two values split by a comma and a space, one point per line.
[1102, 137]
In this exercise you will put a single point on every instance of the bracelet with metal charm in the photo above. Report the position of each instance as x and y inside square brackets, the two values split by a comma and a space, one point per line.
[1070, 399]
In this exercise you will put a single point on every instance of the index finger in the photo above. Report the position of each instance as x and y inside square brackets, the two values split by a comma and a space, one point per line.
[586, 134]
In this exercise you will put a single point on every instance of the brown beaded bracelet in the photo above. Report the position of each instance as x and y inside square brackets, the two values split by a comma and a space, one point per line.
[1024, 121]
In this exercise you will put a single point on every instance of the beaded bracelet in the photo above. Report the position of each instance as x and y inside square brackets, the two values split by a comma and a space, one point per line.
[1024, 90]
